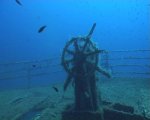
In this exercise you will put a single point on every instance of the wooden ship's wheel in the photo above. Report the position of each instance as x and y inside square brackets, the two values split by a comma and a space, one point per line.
[80, 60]
[77, 53]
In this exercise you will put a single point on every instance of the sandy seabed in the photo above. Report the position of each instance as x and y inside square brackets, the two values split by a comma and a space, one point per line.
[44, 103]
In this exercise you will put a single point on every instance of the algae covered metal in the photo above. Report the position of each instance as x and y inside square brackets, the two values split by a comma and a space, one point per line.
[80, 59]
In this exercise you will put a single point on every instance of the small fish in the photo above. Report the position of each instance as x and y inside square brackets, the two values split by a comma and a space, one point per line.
[41, 29]
[18, 2]
[33, 66]
[55, 88]
[17, 100]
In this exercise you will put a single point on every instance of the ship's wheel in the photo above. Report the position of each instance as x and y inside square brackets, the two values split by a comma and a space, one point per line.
[80, 56]
[78, 51]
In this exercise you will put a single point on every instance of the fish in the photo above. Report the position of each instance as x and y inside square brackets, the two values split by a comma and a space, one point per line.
[19, 3]
[41, 29]
[55, 88]
[17, 100]
[33, 66]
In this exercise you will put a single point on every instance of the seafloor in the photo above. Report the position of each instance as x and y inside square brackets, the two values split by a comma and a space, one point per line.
[44, 103]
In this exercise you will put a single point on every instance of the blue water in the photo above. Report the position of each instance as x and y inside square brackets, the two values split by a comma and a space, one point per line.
[121, 25]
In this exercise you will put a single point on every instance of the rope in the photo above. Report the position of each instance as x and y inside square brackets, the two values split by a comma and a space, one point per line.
[9, 69]
[146, 73]
[30, 68]
[125, 65]
[31, 75]
[124, 58]
[139, 50]
[58, 57]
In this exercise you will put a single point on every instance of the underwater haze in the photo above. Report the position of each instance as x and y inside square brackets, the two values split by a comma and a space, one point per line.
[72, 59]
[121, 25]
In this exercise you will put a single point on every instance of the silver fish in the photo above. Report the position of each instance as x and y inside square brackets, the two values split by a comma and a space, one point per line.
[41, 29]
[18, 2]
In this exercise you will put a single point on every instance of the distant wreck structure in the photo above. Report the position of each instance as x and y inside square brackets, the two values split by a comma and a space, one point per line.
[80, 59]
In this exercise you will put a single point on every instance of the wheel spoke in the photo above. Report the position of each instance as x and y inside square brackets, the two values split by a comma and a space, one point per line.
[68, 61]
[103, 71]
[98, 69]
[92, 53]
[70, 52]
[76, 46]
[85, 45]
